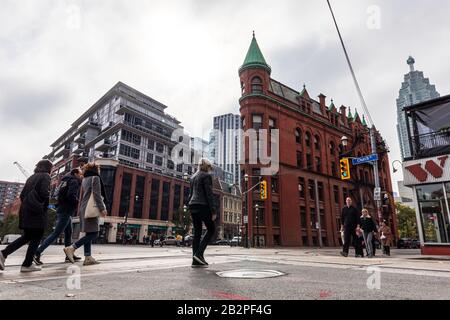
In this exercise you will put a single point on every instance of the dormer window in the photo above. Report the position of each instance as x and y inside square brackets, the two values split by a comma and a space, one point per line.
[257, 85]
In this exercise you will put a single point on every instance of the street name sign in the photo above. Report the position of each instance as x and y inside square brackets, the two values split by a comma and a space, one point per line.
[366, 159]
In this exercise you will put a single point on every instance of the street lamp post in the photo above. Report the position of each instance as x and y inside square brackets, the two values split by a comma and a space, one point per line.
[257, 224]
[393, 167]
[245, 220]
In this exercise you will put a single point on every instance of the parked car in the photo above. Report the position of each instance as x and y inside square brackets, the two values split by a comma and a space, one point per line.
[236, 241]
[222, 242]
[404, 243]
[188, 239]
[170, 241]
[415, 244]
[10, 238]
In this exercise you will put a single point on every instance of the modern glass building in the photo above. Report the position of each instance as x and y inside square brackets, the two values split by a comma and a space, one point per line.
[415, 89]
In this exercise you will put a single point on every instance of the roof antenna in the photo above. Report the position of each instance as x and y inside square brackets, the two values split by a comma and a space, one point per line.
[253, 33]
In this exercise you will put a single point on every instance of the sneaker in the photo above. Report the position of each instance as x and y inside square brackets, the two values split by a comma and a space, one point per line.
[89, 261]
[37, 260]
[2, 261]
[345, 255]
[196, 264]
[200, 260]
[204, 261]
[69, 251]
[31, 268]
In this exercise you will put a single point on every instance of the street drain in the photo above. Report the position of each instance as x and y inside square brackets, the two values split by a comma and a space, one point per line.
[250, 274]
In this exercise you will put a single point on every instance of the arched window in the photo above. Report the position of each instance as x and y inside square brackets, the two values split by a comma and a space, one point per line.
[257, 85]
[332, 148]
[242, 87]
[308, 139]
[317, 142]
[298, 135]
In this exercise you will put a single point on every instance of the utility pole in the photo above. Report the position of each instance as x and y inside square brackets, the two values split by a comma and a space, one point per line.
[366, 110]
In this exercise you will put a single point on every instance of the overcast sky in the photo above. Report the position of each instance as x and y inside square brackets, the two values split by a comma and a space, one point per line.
[58, 57]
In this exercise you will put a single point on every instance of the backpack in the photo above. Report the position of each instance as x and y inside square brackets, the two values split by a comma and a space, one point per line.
[60, 192]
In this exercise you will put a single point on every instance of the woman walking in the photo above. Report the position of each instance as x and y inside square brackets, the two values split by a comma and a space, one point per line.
[368, 227]
[92, 207]
[32, 216]
[386, 238]
[201, 205]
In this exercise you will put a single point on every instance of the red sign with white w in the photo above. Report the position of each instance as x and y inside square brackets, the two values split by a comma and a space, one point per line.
[427, 170]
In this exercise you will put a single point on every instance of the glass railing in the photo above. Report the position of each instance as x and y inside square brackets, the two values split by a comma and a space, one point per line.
[431, 144]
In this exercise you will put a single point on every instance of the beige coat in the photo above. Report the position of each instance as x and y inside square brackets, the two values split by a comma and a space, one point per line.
[388, 234]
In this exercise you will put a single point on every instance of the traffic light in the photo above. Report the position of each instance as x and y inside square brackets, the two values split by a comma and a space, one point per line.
[263, 190]
[345, 169]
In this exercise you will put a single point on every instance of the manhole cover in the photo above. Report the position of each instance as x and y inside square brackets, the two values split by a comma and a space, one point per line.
[250, 274]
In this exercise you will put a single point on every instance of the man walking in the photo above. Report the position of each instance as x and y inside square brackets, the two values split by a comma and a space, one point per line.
[350, 222]
[68, 197]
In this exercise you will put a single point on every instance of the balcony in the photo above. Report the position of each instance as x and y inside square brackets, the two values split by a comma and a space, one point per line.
[103, 145]
[63, 151]
[431, 144]
[80, 138]
[78, 148]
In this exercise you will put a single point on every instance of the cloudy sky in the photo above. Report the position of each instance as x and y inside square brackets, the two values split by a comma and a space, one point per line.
[58, 57]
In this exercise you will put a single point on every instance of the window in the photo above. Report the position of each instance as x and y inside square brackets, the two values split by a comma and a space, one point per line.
[272, 124]
[180, 167]
[257, 85]
[256, 173]
[154, 196]
[333, 169]
[159, 147]
[318, 164]
[312, 214]
[299, 159]
[321, 191]
[139, 197]
[149, 157]
[129, 151]
[131, 137]
[177, 197]
[165, 201]
[298, 136]
[332, 148]
[274, 183]
[259, 218]
[151, 145]
[257, 122]
[336, 194]
[170, 165]
[312, 194]
[317, 142]
[301, 188]
[345, 193]
[303, 222]
[308, 139]
[158, 160]
[309, 164]
[125, 194]
[275, 215]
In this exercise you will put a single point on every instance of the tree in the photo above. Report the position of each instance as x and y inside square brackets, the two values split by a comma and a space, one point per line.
[406, 221]
[10, 224]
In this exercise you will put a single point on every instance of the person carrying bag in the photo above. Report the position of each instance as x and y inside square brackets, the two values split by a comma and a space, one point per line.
[92, 209]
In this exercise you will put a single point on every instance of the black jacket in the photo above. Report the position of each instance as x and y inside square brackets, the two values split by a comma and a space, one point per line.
[201, 191]
[35, 197]
[368, 224]
[69, 204]
[350, 217]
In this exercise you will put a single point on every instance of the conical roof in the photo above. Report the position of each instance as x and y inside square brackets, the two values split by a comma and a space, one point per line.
[254, 57]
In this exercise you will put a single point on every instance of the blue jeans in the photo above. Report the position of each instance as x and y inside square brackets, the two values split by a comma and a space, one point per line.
[63, 224]
[86, 241]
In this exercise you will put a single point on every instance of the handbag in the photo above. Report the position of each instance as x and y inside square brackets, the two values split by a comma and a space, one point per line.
[92, 210]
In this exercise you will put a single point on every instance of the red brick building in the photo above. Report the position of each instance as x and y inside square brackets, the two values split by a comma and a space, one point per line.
[307, 188]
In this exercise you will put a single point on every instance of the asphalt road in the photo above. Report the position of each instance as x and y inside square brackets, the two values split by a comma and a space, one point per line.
[165, 273]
